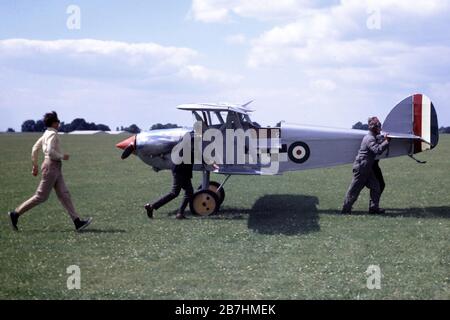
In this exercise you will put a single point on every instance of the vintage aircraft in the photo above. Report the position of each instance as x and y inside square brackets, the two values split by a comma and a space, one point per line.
[412, 126]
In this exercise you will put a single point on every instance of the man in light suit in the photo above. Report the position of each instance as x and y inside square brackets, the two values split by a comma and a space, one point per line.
[52, 177]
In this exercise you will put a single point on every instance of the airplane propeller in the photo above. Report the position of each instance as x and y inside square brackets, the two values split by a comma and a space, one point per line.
[128, 146]
[127, 152]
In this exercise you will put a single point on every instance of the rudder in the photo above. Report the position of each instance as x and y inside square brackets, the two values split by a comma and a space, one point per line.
[416, 116]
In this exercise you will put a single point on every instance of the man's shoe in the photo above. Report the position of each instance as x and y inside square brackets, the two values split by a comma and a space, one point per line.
[377, 211]
[346, 211]
[80, 225]
[14, 218]
[149, 209]
[180, 216]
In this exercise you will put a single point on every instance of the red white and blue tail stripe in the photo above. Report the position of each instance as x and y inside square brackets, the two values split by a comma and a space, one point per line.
[415, 116]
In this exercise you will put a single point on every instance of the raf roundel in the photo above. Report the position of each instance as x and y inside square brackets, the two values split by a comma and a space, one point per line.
[299, 152]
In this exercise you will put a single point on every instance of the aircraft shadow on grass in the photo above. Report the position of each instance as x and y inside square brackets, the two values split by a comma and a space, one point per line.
[285, 214]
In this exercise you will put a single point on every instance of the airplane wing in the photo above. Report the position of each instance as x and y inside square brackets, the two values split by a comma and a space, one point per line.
[216, 107]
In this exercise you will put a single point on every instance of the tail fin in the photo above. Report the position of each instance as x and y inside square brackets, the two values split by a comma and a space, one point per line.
[417, 117]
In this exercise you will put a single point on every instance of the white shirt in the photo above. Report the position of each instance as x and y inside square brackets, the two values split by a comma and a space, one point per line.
[50, 144]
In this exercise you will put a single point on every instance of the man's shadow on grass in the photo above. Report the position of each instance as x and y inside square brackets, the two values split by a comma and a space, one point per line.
[93, 230]
[285, 214]
[424, 212]
[87, 230]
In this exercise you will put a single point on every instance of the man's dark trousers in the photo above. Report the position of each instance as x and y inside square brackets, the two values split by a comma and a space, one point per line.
[182, 175]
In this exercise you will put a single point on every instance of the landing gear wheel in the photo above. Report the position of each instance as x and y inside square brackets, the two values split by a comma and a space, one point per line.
[204, 203]
[214, 186]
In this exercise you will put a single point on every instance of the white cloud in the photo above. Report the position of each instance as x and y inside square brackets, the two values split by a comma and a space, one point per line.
[268, 10]
[88, 57]
[348, 20]
[329, 49]
[100, 80]
[203, 74]
[323, 85]
[329, 40]
[419, 7]
[223, 10]
[316, 62]
[209, 11]
[236, 39]
[103, 60]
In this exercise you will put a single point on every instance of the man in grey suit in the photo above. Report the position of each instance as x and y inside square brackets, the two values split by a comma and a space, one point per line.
[363, 169]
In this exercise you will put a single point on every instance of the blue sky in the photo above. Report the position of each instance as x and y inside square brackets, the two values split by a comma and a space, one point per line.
[314, 62]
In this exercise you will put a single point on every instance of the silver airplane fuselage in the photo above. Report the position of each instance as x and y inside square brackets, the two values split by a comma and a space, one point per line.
[154, 147]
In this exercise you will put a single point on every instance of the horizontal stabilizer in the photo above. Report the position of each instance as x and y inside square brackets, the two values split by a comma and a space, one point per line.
[407, 137]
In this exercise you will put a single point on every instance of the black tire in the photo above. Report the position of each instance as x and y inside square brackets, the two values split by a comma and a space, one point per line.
[213, 186]
[204, 203]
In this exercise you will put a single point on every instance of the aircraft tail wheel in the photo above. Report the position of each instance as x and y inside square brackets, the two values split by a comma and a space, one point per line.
[204, 203]
[214, 186]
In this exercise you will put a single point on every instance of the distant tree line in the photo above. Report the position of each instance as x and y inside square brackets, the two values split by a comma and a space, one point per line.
[360, 126]
[33, 126]
[444, 130]
[158, 126]
[81, 124]
[77, 124]
[131, 129]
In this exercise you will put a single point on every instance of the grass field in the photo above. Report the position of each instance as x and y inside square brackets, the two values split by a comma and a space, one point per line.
[276, 238]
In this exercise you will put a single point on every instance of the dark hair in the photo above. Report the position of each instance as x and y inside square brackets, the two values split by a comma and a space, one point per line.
[50, 118]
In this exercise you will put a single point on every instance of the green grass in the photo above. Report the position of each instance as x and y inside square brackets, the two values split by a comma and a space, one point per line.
[277, 238]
